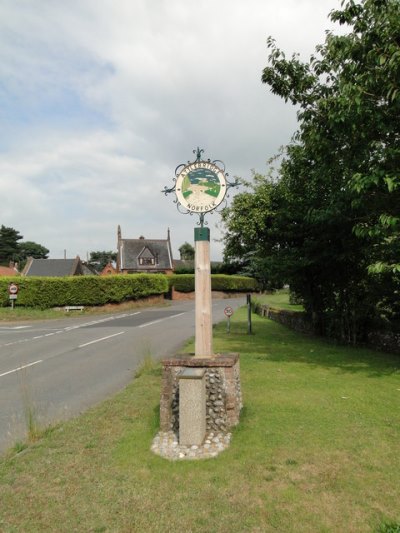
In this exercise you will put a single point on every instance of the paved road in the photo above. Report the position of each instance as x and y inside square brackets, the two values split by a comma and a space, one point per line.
[61, 367]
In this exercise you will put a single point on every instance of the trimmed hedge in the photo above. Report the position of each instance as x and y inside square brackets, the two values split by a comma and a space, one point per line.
[219, 282]
[46, 292]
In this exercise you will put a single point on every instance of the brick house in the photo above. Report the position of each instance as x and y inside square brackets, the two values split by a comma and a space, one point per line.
[11, 270]
[144, 255]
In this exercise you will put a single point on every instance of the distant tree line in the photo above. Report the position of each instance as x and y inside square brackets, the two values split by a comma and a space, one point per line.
[99, 259]
[327, 219]
[12, 248]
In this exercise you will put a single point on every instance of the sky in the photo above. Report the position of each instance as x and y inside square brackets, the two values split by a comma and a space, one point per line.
[100, 101]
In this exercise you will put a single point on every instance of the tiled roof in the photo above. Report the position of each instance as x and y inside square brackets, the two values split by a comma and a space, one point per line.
[7, 271]
[132, 249]
[88, 270]
[53, 267]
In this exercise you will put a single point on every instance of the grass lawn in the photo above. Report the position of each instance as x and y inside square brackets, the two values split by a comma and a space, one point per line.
[7, 314]
[317, 450]
[278, 299]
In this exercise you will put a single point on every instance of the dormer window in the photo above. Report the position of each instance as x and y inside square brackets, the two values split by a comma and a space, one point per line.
[147, 258]
[146, 261]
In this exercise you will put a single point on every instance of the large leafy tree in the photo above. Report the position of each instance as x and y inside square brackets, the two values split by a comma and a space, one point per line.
[349, 98]
[32, 249]
[9, 246]
[336, 207]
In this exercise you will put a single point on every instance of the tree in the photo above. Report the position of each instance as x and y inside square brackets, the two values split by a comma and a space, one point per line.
[187, 252]
[32, 249]
[332, 227]
[349, 98]
[9, 247]
[341, 172]
[249, 240]
[100, 259]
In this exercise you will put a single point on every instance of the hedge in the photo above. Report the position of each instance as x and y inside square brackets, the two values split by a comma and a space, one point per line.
[219, 282]
[45, 292]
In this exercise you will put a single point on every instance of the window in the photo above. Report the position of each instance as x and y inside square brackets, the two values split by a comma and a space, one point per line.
[146, 261]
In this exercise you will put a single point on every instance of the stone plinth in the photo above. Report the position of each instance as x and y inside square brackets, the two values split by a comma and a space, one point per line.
[192, 406]
[223, 391]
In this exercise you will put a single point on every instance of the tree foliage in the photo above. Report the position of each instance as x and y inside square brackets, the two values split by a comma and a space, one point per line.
[13, 250]
[31, 249]
[186, 251]
[250, 238]
[330, 224]
[100, 259]
[9, 246]
[349, 98]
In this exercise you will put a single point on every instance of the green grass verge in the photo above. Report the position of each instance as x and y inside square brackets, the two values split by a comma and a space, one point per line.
[278, 299]
[316, 451]
[7, 314]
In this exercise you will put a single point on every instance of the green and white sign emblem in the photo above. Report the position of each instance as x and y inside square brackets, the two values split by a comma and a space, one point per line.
[200, 186]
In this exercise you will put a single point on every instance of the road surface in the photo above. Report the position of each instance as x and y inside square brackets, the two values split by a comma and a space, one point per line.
[61, 367]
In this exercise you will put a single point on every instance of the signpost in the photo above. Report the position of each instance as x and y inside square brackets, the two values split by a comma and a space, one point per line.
[200, 188]
[13, 293]
[228, 313]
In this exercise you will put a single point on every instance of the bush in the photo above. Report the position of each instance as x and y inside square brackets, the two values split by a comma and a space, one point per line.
[46, 292]
[182, 282]
[222, 282]
[219, 282]
[295, 299]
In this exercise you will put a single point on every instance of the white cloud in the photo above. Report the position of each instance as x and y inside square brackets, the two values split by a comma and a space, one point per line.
[105, 97]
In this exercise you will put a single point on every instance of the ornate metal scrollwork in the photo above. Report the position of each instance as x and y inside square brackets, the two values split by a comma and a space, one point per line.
[215, 169]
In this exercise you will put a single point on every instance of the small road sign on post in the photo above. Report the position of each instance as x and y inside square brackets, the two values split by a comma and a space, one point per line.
[12, 293]
[13, 288]
[228, 313]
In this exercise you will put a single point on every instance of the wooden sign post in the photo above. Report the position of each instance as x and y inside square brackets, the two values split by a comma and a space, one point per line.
[191, 384]
[200, 188]
[203, 327]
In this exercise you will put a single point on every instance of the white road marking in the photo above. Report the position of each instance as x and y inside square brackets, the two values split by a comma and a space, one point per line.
[102, 339]
[68, 328]
[159, 320]
[13, 328]
[100, 321]
[21, 368]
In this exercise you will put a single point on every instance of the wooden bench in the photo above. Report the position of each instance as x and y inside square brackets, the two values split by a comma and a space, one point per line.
[69, 308]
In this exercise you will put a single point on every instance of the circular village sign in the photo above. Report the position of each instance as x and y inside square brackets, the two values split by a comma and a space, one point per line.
[200, 186]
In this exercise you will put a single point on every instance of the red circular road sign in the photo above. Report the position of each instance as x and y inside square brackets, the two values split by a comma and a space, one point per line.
[228, 311]
[13, 288]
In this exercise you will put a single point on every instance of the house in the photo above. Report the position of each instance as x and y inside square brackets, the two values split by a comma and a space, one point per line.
[144, 255]
[54, 267]
[11, 270]
[88, 269]
[108, 270]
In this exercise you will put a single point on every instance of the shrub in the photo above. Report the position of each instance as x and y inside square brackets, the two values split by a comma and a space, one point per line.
[45, 292]
[219, 282]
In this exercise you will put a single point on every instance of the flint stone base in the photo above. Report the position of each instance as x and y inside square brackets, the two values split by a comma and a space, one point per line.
[223, 391]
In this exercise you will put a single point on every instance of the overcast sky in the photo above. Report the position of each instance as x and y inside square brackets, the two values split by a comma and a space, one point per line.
[102, 99]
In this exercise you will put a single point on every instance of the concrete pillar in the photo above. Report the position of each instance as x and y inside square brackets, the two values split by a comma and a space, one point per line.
[192, 406]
